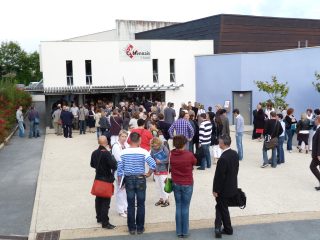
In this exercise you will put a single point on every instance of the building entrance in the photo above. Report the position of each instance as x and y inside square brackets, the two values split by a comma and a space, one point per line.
[243, 102]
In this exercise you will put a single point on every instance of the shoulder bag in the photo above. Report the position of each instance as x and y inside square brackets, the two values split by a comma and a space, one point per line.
[270, 142]
[101, 188]
[168, 183]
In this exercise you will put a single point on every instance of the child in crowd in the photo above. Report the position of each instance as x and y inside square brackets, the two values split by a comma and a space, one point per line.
[160, 153]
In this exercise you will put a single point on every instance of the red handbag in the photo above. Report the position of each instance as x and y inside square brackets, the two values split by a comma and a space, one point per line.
[259, 130]
[102, 189]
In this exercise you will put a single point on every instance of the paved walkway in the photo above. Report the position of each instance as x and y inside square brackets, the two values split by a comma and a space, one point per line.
[19, 168]
[63, 200]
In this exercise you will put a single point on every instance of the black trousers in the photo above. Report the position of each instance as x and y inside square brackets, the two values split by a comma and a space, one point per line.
[223, 215]
[67, 131]
[314, 168]
[102, 209]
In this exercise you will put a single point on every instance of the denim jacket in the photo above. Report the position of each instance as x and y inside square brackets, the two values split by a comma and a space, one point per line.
[163, 166]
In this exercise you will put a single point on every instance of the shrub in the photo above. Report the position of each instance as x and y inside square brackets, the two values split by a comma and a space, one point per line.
[10, 99]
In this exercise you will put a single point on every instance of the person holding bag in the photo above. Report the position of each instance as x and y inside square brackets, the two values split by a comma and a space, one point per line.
[182, 162]
[272, 131]
[160, 153]
[105, 166]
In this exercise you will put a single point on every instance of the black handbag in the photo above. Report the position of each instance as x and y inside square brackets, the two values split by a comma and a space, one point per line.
[269, 142]
[239, 200]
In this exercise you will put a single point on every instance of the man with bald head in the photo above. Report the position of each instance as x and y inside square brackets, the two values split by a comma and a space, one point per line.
[105, 166]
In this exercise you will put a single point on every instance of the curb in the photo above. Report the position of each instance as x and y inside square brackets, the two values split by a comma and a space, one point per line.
[9, 137]
[90, 233]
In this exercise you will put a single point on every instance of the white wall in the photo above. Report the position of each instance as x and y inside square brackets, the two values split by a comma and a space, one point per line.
[107, 69]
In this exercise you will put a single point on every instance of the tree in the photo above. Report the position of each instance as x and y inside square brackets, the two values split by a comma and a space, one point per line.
[277, 92]
[316, 83]
[16, 64]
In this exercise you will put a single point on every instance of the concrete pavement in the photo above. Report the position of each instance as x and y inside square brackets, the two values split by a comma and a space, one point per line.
[19, 168]
[63, 201]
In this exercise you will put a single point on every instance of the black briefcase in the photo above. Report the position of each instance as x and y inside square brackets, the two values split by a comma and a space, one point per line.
[239, 200]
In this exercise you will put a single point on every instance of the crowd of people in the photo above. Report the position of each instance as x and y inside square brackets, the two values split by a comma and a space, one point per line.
[132, 136]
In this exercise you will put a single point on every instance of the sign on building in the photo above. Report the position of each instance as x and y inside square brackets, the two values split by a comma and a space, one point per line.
[135, 51]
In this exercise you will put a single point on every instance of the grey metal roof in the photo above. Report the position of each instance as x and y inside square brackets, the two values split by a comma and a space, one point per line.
[100, 89]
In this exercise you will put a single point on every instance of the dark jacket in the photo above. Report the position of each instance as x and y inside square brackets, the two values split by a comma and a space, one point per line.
[33, 114]
[104, 123]
[116, 123]
[288, 121]
[169, 115]
[164, 127]
[225, 181]
[303, 125]
[225, 124]
[316, 145]
[273, 128]
[66, 117]
[105, 169]
[259, 119]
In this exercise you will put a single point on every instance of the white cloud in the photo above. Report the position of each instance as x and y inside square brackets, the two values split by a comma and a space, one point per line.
[34, 20]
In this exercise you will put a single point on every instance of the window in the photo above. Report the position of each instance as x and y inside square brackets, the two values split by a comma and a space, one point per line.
[172, 70]
[155, 70]
[69, 72]
[88, 72]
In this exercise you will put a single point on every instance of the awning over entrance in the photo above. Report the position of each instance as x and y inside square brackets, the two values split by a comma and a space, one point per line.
[100, 89]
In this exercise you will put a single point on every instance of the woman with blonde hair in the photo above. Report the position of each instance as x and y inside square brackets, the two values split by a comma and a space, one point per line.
[160, 153]
[121, 195]
[303, 131]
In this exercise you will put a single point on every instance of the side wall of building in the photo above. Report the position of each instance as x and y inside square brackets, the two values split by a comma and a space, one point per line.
[218, 75]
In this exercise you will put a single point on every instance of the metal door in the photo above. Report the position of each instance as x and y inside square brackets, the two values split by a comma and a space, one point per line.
[243, 102]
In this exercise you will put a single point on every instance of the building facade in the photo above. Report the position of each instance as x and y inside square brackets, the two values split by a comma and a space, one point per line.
[85, 71]
[230, 78]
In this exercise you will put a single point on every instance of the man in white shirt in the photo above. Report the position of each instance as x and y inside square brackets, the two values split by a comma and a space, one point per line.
[239, 132]
[19, 117]
[75, 112]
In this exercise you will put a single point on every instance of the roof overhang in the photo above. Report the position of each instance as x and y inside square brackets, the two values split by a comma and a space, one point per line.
[101, 89]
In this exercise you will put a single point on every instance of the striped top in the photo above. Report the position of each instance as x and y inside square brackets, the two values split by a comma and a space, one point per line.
[133, 162]
[205, 131]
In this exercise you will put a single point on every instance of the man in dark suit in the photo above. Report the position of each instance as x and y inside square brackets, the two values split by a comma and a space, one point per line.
[225, 185]
[316, 151]
[66, 118]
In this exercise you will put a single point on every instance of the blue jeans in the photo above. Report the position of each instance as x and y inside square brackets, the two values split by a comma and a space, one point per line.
[136, 188]
[206, 160]
[21, 129]
[82, 126]
[239, 145]
[280, 151]
[290, 134]
[31, 130]
[182, 196]
[265, 156]
[98, 132]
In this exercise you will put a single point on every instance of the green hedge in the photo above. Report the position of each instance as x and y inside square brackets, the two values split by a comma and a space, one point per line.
[10, 99]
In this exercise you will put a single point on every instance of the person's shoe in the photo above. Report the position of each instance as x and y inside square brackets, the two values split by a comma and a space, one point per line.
[200, 168]
[290, 151]
[108, 226]
[139, 232]
[124, 215]
[226, 232]
[300, 150]
[217, 233]
[160, 202]
[264, 165]
[307, 151]
[165, 204]
[317, 188]
[132, 232]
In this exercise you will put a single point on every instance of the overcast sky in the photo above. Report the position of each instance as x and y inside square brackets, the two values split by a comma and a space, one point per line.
[31, 21]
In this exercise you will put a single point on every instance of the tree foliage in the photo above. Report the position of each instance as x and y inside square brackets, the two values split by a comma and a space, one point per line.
[277, 92]
[316, 83]
[17, 64]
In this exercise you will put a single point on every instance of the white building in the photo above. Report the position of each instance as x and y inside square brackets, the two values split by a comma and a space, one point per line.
[112, 66]
[113, 69]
